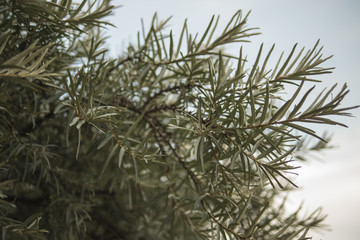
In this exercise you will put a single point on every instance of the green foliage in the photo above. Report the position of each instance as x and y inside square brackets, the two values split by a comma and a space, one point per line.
[173, 140]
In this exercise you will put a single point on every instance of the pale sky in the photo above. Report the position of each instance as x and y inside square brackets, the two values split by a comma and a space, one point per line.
[334, 181]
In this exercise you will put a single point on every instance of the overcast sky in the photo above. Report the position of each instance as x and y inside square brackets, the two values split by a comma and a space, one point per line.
[332, 182]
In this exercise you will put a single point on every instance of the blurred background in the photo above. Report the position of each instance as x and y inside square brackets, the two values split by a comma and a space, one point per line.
[332, 178]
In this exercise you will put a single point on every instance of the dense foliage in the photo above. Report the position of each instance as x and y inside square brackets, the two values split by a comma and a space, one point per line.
[174, 139]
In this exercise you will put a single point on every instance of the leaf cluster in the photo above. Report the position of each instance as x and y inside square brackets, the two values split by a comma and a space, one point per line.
[174, 139]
